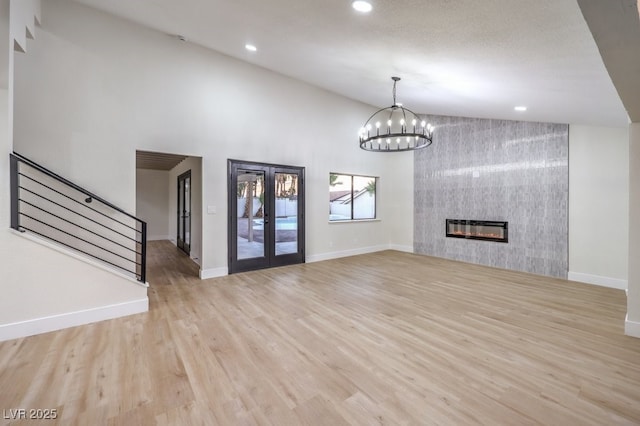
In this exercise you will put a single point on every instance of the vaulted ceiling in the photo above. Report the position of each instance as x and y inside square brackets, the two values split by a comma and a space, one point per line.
[620, 49]
[456, 57]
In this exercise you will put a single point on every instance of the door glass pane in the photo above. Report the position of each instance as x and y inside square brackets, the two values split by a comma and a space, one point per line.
[187, 210]
[286, 220]
[250, 199]
[364, 197]
[180, 214]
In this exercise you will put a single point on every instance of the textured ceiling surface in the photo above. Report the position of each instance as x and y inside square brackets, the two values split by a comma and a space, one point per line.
[456, 57]
[157, 161]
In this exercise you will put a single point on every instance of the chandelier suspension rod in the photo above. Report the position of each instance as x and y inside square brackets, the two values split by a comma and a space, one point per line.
[395, 80]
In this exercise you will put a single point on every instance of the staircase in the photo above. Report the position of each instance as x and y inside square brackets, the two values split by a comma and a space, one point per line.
[24, 16]
[71, 257]
[49, 206]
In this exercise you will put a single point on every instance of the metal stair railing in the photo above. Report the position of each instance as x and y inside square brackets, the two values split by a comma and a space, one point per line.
[49, 206]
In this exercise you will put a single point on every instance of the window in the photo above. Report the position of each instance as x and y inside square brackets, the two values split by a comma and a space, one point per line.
[352, 197]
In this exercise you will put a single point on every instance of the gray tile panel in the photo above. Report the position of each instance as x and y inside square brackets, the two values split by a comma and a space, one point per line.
[495, 170]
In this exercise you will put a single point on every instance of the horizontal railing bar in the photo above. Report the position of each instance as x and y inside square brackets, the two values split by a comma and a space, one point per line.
[81, 215]
[16, 175]
[81, 251]
[81, 227]
[76, 237]
[70, 184]
[78, 202]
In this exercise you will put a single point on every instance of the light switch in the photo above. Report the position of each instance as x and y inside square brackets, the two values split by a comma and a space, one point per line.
[211, 210]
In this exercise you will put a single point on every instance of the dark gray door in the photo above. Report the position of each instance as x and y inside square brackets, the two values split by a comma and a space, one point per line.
[184, 212]
[266, 215]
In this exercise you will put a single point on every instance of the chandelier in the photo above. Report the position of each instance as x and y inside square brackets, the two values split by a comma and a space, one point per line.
[395, 129]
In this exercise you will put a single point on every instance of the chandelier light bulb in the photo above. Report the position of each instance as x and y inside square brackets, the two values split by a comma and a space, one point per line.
[396, 132]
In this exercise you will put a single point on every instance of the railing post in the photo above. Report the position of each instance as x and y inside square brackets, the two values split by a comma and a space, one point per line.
[143, 254]
[14, 183]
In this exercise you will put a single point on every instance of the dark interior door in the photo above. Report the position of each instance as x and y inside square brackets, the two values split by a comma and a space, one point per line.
[266, 215]
[184, 212]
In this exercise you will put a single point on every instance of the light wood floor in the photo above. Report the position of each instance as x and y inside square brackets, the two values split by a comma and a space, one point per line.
[385, 338]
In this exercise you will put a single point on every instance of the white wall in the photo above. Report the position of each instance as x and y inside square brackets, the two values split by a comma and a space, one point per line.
[152, 202]
[4, 44]
[43, 289]
[632, 326]
[598, 205]
[4, 160]
[195, 165]
[394, 202]
[99, 88]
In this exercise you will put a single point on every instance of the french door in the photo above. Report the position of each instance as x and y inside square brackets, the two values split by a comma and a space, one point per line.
[266, 215]
[184, 212]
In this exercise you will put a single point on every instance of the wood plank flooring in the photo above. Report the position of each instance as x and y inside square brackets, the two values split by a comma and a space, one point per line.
[384, 338]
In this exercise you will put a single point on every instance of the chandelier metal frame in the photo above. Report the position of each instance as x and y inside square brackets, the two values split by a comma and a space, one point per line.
[404, 130]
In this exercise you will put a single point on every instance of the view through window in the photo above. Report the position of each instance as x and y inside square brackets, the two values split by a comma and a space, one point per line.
[352, 197]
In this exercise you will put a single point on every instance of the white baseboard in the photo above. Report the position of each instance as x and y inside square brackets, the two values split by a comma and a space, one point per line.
[158, 237]
[631, 328]
[72, 319]
[397, 247]
[598, 280]
[344, 253]
[213, 273]
[222, 271]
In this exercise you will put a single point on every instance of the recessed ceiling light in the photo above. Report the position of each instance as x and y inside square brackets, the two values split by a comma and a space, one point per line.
[250, 47]
[520, 108]
[362, 6]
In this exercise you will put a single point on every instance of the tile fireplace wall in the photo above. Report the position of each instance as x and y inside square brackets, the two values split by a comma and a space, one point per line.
[495, 170]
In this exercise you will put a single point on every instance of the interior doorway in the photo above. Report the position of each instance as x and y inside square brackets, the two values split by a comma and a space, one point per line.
[159, 179]
[266, 215]
[183, 238]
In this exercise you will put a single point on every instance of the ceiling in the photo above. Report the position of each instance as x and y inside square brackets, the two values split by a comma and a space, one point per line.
[620, 49]
[456, 57]
[157, 160]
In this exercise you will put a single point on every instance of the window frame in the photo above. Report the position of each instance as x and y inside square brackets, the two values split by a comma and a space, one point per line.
[352, 177]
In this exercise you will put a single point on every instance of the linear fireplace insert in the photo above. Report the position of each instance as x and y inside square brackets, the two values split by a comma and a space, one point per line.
[478, 230]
